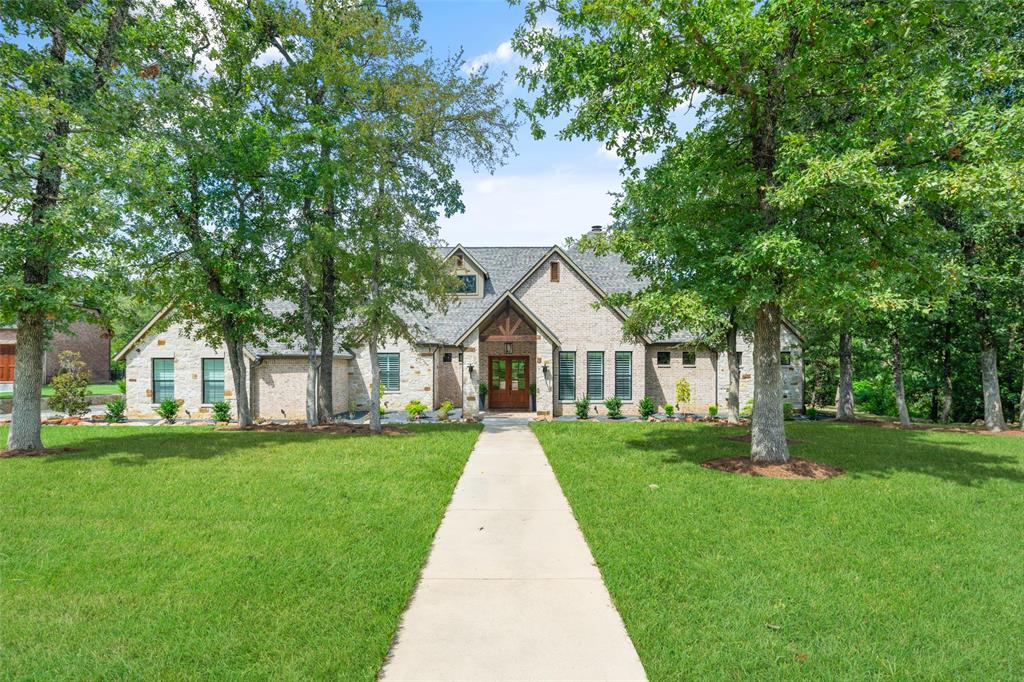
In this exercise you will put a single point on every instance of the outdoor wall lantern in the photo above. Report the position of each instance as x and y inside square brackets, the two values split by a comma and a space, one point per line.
[508, 348]
[471, 369]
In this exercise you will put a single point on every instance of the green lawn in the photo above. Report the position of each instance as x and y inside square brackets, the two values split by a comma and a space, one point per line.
[183, 552]
[911, 565]
[93, 389]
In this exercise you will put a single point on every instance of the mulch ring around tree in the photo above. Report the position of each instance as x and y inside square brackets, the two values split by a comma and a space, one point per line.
[745, 438]
[795, 469]
[337, 429]
[37, 452]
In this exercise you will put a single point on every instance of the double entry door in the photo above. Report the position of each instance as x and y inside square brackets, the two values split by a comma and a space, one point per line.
[509, 383]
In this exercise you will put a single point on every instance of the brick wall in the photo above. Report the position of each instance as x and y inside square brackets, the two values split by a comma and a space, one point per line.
[566, 308]
[662, 380]
[449, 377]
[90, 341]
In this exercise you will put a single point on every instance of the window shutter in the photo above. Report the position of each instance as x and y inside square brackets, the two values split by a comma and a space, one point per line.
[389, 372]
[624, 375]
[567, 376]
[595, 375]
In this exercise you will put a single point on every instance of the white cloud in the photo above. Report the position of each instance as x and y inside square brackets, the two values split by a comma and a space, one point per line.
[531, 210]
[503, 54]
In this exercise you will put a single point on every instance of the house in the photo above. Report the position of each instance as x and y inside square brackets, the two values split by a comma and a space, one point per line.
[524, 316]
[87, 337]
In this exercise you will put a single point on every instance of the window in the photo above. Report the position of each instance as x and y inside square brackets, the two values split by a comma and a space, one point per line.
[213, 380]
[595, 375]
[447, 357]
[468, 284]
[664, 358]
[567, 376]
[555, 265]
[163, 379]
[689, 358]
[389, 371]
[624, 375]
[786, 358]
[460, 357]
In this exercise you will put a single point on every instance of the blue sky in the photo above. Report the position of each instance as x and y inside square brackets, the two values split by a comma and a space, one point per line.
[550, 189]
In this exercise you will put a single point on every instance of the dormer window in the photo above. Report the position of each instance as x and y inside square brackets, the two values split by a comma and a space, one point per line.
[468, 284]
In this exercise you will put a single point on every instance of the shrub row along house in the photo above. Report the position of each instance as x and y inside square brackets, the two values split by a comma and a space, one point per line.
[526, 317]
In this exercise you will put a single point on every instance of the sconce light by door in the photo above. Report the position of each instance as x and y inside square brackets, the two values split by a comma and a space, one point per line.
[508, 348]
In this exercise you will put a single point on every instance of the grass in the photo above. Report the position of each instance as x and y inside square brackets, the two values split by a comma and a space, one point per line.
[184, 552]
[910, 565]
[93, 389]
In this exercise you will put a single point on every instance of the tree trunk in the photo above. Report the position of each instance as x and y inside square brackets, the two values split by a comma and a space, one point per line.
[994, 420]
[733, 396]
[374, 386]
[767, 432]
[1020, 416]
[844, 393]
[947, 376]
[897, 380]
[312, 365]
[25, 433]
[236, 356]
[325, 387]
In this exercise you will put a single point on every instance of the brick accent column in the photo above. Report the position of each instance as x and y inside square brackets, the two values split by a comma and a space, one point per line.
[471, 380]
[545, 379]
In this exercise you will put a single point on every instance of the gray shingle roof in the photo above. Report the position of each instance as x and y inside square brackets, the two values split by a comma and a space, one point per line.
[506, 265]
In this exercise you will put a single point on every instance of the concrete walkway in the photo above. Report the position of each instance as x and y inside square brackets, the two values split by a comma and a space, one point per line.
[510, 590]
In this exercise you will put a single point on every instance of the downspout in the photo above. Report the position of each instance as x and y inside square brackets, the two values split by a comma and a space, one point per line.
[717, 358]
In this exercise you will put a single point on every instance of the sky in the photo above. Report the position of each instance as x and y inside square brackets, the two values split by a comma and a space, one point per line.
[550, 189]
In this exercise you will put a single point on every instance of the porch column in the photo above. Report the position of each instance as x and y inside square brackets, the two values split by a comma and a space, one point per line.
[471, 379]
[545, 377]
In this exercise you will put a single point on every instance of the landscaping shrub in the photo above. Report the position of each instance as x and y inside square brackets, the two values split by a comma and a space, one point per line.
[70, 385]
[682, 392]
[383, 406]
[122, 387]
[483, 394]
[221, 412]
[445, 408]
[747, 409]
[415, 409]
[787, 411]
[115, 411]
[647, 407]
[812, 412]
[669, 410]
[168, 410]
[614, 407]
[712, 411]
[583, 408]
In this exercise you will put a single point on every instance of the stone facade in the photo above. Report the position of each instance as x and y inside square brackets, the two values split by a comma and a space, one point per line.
[416, 376]
[567, 308]
[188, 355]
[521, 302]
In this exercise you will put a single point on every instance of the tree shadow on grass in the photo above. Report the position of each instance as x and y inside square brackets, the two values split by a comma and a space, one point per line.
[964, 459]
[138, 448]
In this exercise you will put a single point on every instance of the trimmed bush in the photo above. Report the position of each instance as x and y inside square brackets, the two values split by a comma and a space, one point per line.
[712, 411]
[812, 412]
[647, 407]
[748, 409]
[168, 410]
[669, 410]
[446, 407]
[415, 409]
[115, 411]
[221, 412]
[70, 385]
[583, 408]
[787, 411]
[614, 407]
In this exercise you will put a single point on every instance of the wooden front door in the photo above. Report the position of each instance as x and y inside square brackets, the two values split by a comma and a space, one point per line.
[510, 383]
[6, 364]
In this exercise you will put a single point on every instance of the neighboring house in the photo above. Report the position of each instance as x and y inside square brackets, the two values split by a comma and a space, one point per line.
[526, 315]
[90, 339]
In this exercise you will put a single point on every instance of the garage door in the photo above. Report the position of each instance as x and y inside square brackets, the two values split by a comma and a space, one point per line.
[6, 363]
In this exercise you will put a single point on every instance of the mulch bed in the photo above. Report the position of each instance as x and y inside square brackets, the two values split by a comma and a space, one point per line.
[346, 429]
[795, 469]
[746, 439]
[41, 452]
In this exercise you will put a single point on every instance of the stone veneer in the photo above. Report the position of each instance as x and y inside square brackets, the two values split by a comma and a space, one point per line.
[415, 375]
[566, 308]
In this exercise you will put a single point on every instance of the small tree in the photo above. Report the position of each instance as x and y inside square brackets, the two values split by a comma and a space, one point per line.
[70, 385]
[682, 392]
